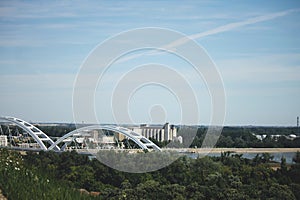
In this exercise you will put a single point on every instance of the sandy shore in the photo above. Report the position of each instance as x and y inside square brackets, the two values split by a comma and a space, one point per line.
[2, 197]
[240, 150]
[213, 150]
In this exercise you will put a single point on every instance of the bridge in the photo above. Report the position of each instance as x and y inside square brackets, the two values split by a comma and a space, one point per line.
[43, 142]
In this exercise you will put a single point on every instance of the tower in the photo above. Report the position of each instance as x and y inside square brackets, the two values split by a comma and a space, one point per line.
[298, 124]
[166, 128]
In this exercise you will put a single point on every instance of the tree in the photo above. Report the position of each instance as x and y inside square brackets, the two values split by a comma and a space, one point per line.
[283, 166]
[126, 184]
[266, 157]
[296, 158]
[228, 142]
[277, 191]
[239, 143]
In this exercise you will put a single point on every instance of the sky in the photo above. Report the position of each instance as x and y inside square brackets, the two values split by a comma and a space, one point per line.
[254, 45]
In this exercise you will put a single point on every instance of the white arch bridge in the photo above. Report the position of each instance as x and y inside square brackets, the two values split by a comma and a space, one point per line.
[44, 142]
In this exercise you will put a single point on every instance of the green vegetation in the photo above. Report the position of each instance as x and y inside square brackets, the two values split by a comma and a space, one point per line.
[57, 131]
[20, 181]
[243, 137]
[49, 175]
[240, 137]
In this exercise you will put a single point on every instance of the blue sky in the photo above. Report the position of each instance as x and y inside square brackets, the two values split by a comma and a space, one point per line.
[254, 44]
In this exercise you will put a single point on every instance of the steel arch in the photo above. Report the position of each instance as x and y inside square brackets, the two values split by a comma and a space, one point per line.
[140, 140]
[39, 136]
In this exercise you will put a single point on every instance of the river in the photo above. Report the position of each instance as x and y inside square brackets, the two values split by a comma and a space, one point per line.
[249, 155]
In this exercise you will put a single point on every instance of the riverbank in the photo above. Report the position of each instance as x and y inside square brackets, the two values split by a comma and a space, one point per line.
[249, 153]
[238, 150]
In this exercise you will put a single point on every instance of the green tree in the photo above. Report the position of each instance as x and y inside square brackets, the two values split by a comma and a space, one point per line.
[283, 165]
[296, 158]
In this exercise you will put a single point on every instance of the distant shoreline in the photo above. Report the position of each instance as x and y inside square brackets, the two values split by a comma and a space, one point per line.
[200, 150]
[238, 150]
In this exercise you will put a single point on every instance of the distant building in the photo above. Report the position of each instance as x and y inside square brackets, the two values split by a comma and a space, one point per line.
[180, 139]
[3, 140]
[292, 136]
[29, 145]
[260, 137]
[160, 133]
[276, 137]
[105, 139]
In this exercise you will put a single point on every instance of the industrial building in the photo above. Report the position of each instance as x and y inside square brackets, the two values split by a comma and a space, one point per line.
[160, 133]
[3, 140]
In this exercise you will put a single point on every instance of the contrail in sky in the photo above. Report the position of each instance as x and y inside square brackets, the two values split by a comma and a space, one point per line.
[232, 26]
[220, 29]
